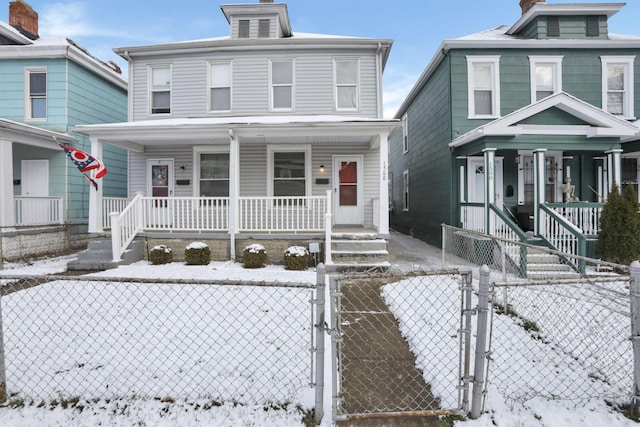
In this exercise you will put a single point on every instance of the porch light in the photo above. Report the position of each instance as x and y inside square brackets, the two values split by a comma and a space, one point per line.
[321, 168]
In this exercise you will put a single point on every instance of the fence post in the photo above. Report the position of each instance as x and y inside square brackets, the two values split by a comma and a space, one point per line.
[635, 330]
[481, 343]
[465, 337]
[3, 369]
[320, 330]
[444, 243]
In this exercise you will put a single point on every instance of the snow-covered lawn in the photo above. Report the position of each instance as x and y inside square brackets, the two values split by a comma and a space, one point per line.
[500, 409]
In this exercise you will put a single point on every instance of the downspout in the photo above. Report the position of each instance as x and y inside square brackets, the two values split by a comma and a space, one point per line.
[379, 81]
[234, 191]
[126, 56]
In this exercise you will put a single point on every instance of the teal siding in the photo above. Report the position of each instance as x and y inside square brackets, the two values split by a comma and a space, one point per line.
[428, 162]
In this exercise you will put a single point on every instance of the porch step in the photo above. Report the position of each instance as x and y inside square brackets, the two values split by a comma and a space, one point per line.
[98, 255]
[359, 252]
[541, 266]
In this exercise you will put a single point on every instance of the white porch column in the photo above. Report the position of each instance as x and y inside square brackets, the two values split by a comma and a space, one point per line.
[234, 191]
[489, 187]
[95, 196]
[7, 204]
[614, 169]
[383, 209]
[538, 187]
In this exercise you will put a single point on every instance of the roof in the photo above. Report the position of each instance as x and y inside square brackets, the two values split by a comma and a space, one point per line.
[32, 135]
[599, 123]
[11, 33]
[502, 37]
[59, 47]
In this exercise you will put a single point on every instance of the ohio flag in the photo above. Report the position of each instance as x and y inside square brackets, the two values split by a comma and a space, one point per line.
[85, 162]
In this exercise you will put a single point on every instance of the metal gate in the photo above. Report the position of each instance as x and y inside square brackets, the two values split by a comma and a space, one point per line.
[400, 343]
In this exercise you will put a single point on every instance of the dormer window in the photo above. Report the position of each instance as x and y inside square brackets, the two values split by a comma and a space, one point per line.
[264, 28]
[244, 27]
[553, 26]
[593, 26]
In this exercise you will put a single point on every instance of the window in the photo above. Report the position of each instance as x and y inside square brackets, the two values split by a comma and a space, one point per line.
[405, 134]
[483, 86]
[553, 26]
[244, 26]
[36, 87]
[160, 83]
[264, 28]
[593, 26]
[546, 76]
[213, 174]
[405, 190]
[282, 84]
[617, 85]
[289, 170]
[347, 87]
[220, 86]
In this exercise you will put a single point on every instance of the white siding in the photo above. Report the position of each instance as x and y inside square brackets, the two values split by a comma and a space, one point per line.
[250, 90]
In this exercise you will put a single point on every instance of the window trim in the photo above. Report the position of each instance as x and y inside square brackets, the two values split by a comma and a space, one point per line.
[28, 110]
[405, 190]
[628, 108]
[272, 86]
[197, 151]
[556, 62]
[356, 85]
[150, 90]
[494, 62]
[405, 134]
[289, 148]
[211, 86]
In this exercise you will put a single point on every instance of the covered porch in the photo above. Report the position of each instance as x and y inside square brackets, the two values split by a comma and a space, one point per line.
[522, 179]
[237, 179]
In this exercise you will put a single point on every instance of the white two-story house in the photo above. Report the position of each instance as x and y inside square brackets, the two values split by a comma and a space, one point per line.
[263, 135]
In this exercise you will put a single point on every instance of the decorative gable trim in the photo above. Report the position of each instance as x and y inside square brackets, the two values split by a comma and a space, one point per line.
[599, 122]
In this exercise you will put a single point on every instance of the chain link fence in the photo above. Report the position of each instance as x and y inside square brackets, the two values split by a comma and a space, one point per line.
[398, 343]
[554, 332]
[114, 338]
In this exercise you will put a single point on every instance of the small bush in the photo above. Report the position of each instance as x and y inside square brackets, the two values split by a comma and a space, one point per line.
[619, 237]
[160, 254]
[254, 256]
[296, 258]
[197, 253]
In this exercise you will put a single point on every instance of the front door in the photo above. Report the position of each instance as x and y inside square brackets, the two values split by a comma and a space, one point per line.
[347, 178]
[475, 217]
[34, 181]
[160, 185]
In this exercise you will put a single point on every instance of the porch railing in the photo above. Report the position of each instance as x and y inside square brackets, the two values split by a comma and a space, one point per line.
[281, 214]
[472, 216]
[112, 204]
[564, 236]
[203, 214]
[508, 231]
[38, 210]
[585, 216]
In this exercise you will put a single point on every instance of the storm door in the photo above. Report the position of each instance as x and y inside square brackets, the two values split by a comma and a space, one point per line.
[160, 187]
[348, 190]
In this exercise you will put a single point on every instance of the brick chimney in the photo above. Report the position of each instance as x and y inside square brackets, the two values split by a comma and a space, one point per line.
[528, 4]
[266, 1]
[23, 18]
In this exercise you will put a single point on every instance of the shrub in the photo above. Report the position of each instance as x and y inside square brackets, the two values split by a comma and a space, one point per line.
[254, 256]
[197, 253]
[619, 237]
[160, 254]
[296, 258]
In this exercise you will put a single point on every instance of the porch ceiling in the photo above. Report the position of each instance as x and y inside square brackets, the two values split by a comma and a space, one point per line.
[248, 130]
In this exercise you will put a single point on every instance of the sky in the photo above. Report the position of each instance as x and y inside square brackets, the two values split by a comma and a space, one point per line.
[417, 27]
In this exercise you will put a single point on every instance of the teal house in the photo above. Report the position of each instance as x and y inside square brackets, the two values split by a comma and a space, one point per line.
[520, 131]
[47, 87]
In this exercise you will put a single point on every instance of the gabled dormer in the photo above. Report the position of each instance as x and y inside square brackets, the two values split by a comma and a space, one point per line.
[564, 21]
[264, 20]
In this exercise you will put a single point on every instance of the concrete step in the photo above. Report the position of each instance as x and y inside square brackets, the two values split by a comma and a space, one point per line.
[548, 267]
[552, 275]
[360, 256]
[541, 258]
[98, 255]
[359, 244]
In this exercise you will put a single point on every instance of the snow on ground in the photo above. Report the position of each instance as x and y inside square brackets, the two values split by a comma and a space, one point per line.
[500, 410]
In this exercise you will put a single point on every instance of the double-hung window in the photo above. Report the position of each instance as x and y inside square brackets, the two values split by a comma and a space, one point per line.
[347, 84]
[220, 86]
[483, 74]
[289, 171]
[546, 76]
[213, 172]
[36, 90]
[282, 89]
[160, 89]
[617, 85]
